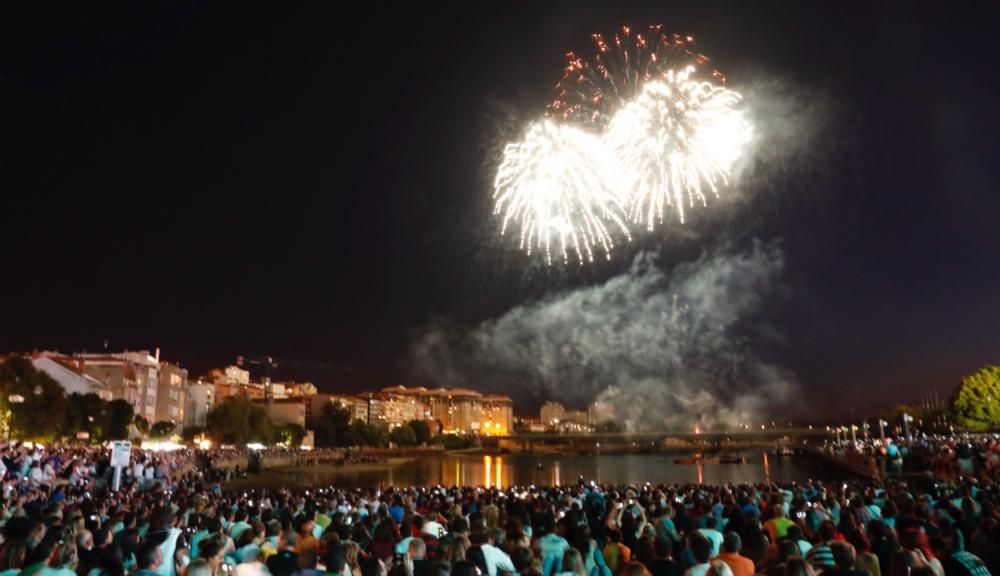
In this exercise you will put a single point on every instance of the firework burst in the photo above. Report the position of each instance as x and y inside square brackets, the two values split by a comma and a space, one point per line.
[593, 90]
[642, 126]
[556, 184]
[675, 144]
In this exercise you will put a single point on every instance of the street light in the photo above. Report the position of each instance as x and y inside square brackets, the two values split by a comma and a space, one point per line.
[12, 399]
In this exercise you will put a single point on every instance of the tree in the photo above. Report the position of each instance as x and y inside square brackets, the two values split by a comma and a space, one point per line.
[976, 404]
[237, 421]
[403, 435]
[189, 433]
[456, 442]
[332, 427]
[291, 434]
[369, 434]
[44, 400]
[101, 420]
[162, 429]
[141, 424]
[422, 430]
[119, 416]
[85, 413]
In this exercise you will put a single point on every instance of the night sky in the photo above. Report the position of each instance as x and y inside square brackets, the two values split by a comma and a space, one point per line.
[312, 181]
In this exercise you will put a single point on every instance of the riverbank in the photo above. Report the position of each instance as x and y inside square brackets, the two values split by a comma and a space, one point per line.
[483, 469]
[310, 476]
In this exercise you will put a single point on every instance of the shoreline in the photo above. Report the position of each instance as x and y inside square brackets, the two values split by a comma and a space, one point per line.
[286, 476]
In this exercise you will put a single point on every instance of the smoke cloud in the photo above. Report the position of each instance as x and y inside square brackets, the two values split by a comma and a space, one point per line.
[663, 351]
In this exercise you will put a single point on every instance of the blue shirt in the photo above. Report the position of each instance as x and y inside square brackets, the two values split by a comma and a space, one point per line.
[397, 513]
[552, 548]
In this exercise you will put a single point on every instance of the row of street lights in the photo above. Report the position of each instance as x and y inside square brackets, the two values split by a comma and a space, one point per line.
[853, 429]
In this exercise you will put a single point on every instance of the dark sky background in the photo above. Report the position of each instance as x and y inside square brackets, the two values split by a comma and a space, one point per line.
[312, 181]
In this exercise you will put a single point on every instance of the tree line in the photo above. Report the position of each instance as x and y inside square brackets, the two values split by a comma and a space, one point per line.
[46, 413]
[238, 421]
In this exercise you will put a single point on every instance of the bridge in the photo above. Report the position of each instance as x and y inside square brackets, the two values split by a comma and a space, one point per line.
[628, 441]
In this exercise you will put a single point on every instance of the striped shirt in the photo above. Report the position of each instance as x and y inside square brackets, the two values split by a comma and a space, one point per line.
[964, 564]
[821, 557]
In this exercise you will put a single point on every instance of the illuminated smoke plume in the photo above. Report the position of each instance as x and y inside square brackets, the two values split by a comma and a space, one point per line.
[666, 351]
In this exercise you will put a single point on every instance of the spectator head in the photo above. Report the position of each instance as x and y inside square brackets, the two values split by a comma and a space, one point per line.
[307, 560]
[639, 569]
[199, 567]
[700, 546]
[798, 567]
[843, 555]
[573, 562]
[663, 547]
[336, 559]
[827, 531]
[464, 568]
[522, 558]
[794, 533]
[149, 557]
[788, 549]
[212, 550]
[64, 557]
[476, 556]
[85, 540]
[417, 549]
[718, 568]
[877, 529]
[440, 568]
[732, 543]
[459, 526]
[372, 566]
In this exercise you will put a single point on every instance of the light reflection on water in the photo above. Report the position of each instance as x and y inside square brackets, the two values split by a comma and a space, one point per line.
[520, 469]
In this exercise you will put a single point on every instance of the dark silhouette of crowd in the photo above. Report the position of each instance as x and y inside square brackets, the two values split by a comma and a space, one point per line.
[61, 517]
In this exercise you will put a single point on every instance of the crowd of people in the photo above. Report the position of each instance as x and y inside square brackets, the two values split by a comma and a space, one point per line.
[946, 456]
[60, 517]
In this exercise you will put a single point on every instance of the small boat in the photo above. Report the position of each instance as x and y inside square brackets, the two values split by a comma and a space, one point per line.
[692, 460]
[732, 460]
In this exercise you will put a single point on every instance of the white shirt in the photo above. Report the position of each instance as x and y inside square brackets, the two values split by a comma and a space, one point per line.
[715, 537]
[434, 529]
[168, 547]
[497, 559]
[805, 547]
[702, 569]
[250, 569]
